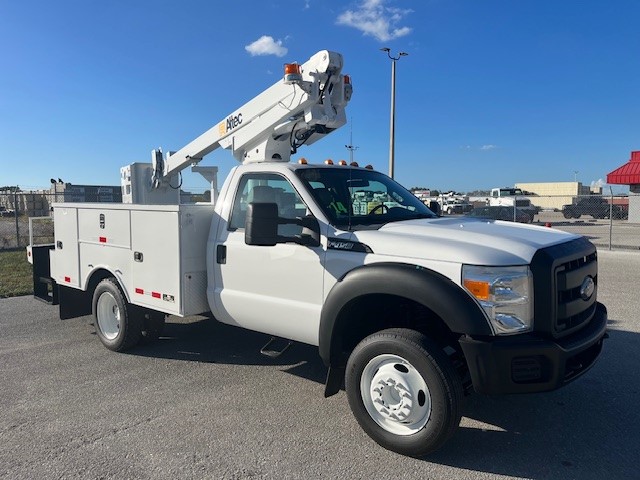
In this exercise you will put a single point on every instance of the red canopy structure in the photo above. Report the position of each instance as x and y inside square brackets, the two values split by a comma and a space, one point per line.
[627, 174]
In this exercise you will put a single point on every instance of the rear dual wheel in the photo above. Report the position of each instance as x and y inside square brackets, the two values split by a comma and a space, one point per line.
[404, 391]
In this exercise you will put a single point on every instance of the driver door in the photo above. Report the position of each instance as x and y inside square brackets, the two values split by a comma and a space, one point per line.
[277, 289]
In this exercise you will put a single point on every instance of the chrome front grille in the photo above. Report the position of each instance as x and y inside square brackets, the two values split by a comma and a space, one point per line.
[559, 273]
[572, 310]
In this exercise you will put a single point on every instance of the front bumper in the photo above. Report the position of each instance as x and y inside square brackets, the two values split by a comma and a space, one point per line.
[526, 363]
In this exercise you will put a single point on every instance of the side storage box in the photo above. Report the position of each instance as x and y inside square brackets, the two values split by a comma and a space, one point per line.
[156, 252]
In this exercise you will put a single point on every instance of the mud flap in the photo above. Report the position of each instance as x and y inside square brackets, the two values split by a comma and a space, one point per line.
[335, 381]
[45, 288]
[73, 303]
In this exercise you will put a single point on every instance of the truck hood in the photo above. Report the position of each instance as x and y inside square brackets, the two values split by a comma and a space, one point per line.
[462, 240]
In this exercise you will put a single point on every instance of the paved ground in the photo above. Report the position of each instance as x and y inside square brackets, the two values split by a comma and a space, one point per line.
[202, 403]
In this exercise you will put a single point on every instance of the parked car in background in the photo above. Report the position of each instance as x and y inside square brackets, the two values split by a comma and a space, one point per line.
[454, 204]
[596, 206]
[501, 213]
[4, 212]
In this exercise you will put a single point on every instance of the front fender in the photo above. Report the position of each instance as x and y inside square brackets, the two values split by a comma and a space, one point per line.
[449, 301]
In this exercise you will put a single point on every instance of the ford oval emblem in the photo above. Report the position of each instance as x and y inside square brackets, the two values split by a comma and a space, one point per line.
[587, 288]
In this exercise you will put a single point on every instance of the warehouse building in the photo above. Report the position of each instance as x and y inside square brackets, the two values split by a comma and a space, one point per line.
[67, 192]
[553, 195]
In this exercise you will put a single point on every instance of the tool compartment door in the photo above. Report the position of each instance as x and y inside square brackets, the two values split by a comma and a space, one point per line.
[155, 244]
[104, 226]
[65, 259]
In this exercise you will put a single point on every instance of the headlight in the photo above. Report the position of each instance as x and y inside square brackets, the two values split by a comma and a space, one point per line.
[505, 293]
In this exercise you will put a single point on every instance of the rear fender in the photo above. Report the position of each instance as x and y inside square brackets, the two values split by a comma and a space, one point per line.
[78, 303]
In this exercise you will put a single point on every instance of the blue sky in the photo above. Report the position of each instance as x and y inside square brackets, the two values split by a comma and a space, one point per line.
[492, 92]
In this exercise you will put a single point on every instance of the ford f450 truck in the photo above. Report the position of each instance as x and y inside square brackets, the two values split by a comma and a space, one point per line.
[410, 312]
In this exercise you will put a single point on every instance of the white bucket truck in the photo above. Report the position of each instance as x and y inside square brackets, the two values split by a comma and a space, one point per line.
[410, 312]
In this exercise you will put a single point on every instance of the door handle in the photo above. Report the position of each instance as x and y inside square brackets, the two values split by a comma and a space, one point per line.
[221, 254]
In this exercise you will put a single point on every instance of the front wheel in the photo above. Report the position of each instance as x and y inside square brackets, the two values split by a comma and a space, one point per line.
[404, 391]
[117, 327]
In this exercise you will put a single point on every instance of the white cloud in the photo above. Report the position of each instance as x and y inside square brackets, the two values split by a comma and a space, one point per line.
[482, 147]
[373, 18]
[266, 45]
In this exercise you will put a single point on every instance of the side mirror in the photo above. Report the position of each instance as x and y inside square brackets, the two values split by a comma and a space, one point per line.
[261, 226]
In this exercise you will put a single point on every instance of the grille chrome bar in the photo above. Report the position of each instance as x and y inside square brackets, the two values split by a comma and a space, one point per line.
[572, 311]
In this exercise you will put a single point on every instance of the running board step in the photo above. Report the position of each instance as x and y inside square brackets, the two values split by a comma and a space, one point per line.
[271, 352]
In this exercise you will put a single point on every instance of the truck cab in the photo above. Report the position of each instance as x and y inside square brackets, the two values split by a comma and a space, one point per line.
[339, 254]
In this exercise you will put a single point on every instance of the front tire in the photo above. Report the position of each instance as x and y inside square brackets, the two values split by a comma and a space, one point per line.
[404, 391]
[117, 327]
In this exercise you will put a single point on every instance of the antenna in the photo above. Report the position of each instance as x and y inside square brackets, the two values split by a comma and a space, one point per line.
[350, 147]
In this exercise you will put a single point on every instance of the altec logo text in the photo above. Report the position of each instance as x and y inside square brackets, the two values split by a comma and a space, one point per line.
[232, 122]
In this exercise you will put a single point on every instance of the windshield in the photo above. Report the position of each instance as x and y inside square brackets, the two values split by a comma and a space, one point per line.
[353, 198]
[510, 192]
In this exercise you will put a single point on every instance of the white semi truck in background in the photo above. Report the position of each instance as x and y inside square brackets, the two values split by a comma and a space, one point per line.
[512, 197]
[410, 312]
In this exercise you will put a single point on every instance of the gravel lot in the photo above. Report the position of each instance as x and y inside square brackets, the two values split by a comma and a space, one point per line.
[203, 403]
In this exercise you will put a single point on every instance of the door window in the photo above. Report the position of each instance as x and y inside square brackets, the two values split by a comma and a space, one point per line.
[268, 188]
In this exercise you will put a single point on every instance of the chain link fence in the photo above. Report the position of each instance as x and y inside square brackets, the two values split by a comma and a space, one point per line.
[611, 222]
[16, 208]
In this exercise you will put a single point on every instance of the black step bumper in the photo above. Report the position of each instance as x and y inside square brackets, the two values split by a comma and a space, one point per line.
[526, 363]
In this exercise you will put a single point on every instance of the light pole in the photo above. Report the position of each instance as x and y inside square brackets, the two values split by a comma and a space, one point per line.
[392, 126]
[350, 147]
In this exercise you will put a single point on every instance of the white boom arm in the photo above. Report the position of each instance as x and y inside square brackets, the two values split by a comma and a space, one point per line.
[305, 106]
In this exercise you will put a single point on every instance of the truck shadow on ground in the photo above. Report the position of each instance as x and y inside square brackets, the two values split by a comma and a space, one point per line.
[589, 429]
[208, 341]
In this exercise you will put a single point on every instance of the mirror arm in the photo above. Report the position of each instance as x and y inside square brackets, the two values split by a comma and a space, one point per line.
[310, 223]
